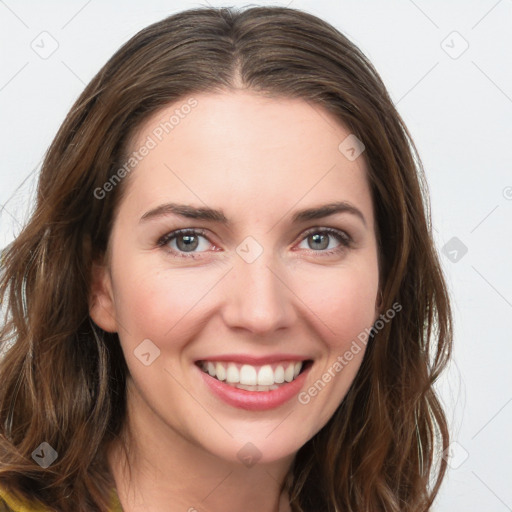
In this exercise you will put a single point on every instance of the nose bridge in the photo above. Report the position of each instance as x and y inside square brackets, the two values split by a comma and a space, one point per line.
[257, 298]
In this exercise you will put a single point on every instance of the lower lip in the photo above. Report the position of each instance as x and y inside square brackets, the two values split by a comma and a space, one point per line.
[254, 400]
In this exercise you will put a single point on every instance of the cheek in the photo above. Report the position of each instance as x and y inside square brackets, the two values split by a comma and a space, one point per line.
[342, 300]
[157, 303]
[343, 304]
[163, 304]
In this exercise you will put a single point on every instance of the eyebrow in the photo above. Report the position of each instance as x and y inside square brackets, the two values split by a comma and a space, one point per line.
[210, 214]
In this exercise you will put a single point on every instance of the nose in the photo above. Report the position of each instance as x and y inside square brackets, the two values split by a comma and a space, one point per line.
[259, 299]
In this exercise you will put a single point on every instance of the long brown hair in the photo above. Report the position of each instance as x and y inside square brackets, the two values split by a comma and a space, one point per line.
[63, 378]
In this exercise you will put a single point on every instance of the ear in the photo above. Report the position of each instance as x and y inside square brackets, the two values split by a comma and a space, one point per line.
[101, 299]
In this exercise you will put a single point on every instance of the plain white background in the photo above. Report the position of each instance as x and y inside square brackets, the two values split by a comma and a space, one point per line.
[448, 68]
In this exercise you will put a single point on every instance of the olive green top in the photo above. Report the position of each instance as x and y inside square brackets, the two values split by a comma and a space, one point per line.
[23, 506]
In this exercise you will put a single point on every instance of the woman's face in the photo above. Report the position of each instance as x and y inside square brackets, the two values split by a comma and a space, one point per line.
[254, 287]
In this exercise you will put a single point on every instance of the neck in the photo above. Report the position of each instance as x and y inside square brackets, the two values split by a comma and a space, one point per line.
[161, 467]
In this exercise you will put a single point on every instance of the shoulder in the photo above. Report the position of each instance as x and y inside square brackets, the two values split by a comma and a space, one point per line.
[10, 503]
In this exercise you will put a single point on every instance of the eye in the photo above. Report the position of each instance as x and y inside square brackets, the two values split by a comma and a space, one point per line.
[319, 239]
[184, 241]
[187, 242]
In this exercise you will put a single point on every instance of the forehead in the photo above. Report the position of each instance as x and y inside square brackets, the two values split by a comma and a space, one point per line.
[241, 149]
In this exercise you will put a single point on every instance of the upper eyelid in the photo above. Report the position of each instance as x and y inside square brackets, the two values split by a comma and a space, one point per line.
[330, 231]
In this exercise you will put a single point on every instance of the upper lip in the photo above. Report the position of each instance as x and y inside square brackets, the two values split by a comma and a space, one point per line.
[255, 360]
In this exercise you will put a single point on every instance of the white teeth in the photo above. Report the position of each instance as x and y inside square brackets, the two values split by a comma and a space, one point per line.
[258, 378]
[248, 375]
[256, 388]
[279, 375]
[265, 376]
[220, 371]
[288, 373]
[232, 374]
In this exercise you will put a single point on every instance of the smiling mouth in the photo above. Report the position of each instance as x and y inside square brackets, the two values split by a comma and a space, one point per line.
[267, 377]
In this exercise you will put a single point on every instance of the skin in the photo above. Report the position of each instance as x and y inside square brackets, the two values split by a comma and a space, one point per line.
[259, 160]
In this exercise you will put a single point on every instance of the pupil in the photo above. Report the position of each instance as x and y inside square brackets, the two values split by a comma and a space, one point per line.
[317, 240]
[189, 242]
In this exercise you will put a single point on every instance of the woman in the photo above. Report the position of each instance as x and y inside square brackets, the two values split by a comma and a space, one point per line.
[228, 296]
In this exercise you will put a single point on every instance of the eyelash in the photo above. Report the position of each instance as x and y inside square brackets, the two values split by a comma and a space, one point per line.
[344, 239]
